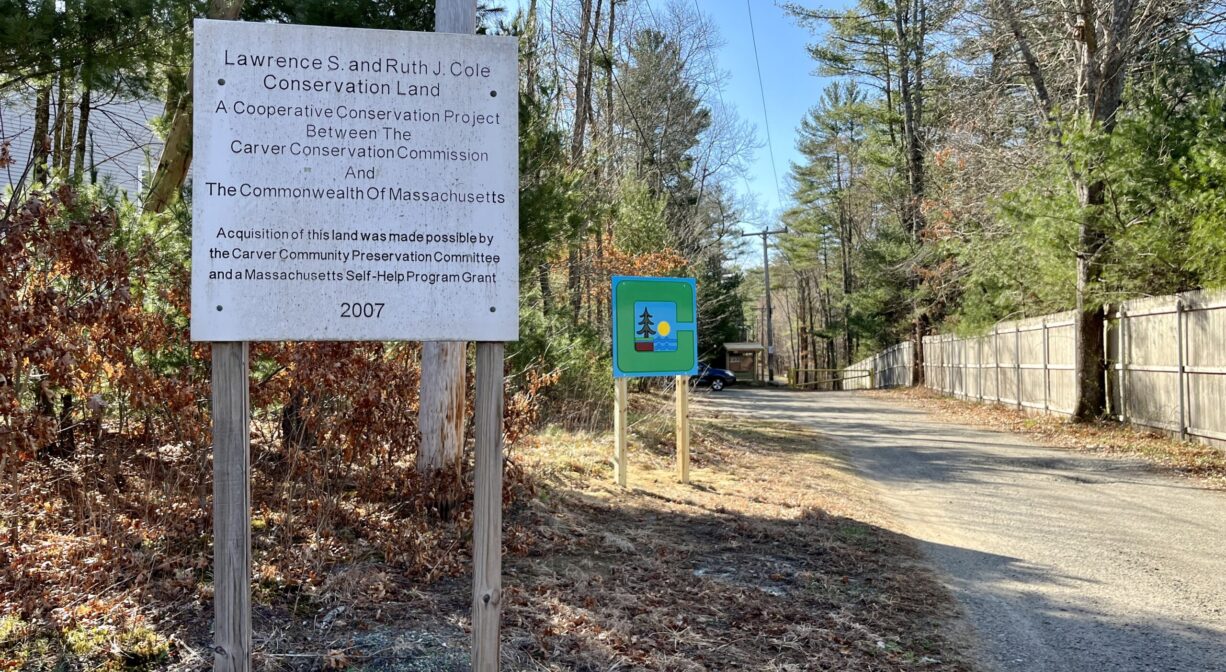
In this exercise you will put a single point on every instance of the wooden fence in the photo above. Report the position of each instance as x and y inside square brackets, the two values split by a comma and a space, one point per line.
[889, 368]
[1166, 361]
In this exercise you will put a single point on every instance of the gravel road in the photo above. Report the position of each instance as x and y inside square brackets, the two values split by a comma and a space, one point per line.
[1061, 561]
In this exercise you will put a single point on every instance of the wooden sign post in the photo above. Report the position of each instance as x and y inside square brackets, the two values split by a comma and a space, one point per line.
[353, 185]
[621, 403]
[655, 333]
[683, 429]
[231, 508]
[460, 16]
[487, 509]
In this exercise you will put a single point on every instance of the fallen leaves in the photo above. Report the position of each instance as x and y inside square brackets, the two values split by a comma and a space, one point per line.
[748, 568]
[1206, 464]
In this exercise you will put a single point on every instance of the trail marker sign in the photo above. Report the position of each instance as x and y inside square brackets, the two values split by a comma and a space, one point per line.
[354, 185]
[655, 327]
[655, 333]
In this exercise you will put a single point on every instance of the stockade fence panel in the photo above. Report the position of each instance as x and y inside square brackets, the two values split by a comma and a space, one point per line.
[889, 368]
[1024, 363]
[1166, 363]
[828, 379]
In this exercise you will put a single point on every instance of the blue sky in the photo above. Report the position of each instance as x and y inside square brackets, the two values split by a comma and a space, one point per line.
[787, 79]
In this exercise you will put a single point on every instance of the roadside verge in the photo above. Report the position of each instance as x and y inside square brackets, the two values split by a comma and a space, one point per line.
[774, 558]
[1202, 463]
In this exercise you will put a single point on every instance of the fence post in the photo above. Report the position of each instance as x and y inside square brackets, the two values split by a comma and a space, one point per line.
[1017, 361]
[1123, 357]
[949, 365]
[1179, 370]
[960, 357]
[1046, 372]
[953, 366]
[996, 357]
[979, 367]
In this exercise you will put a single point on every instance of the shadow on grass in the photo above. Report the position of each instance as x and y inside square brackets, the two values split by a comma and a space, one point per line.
[633, 586]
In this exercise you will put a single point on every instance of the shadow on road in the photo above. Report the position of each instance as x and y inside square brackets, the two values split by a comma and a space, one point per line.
[1062, 561]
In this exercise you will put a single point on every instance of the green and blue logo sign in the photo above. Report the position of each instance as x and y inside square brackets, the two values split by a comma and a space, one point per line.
[655, 327]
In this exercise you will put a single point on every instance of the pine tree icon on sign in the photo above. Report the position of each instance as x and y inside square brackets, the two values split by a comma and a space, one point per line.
[645, 325]
[655, 321]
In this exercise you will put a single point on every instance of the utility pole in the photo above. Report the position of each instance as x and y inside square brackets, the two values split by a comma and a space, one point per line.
[766, 278]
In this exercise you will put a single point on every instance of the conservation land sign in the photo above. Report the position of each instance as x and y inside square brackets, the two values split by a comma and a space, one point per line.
[655, 327]
[354, 185]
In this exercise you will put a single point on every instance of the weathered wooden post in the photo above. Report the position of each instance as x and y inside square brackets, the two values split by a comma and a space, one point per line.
[460, 16]
[1046, 370]
[683, 428]
[621, 402]
[487, 509]
[979, 367]
[996, 356]
[1017, 361]
[1123, 358]
[231, 508]
[1180, 368]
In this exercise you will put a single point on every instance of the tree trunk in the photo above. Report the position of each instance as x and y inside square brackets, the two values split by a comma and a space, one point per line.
[64, 153]
[78, 168]
[917, 351]
[573, 283]
[63, 121]
[582, 80]
[583, 92]
[295, 434]
[440, 415]
[1088, 358]
[440, 419]
[909, 93]
[602, 313]
[542, 273]
[608, 88]
[176, 157]
[1100, 87]
[42, 130]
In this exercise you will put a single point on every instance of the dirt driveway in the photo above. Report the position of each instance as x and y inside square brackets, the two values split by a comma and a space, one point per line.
[1061, 561]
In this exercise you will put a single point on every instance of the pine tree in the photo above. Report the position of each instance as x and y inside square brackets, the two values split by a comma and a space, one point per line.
[646, 324]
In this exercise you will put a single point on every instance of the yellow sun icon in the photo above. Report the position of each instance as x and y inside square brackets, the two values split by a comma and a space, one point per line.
[664, 328]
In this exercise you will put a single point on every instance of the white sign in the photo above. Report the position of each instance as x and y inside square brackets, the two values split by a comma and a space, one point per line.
[354, 185]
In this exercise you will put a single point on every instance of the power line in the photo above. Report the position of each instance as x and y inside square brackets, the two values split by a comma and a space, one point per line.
[770, 145]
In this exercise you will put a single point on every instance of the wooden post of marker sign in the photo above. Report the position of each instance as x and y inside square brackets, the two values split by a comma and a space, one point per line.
[620, 402]
[231, 509]
[487, 508]
[683, 428]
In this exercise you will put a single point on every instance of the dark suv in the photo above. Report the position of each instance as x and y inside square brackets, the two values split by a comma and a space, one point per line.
[716, 379]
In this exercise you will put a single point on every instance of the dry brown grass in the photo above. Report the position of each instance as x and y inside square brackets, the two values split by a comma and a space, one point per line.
[776, 557]
[1205, 464]
[772, 559]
